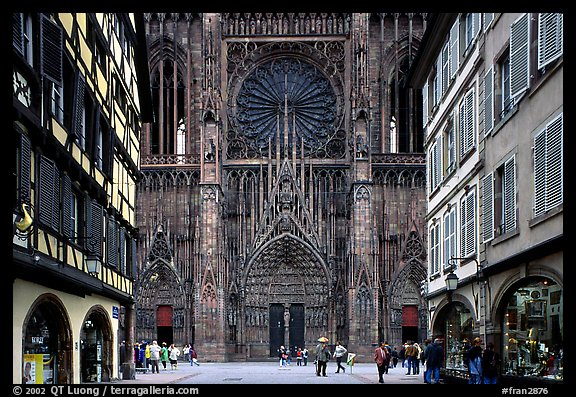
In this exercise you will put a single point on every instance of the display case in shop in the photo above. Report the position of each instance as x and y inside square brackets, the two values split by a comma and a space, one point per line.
[533, 332]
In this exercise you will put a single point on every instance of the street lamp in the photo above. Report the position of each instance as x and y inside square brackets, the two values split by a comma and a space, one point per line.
[451, 282]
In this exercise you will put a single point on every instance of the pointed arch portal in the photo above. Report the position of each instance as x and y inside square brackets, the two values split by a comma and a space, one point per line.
[287, 291]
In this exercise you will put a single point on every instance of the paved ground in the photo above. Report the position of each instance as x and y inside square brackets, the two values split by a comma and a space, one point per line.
[271, 373]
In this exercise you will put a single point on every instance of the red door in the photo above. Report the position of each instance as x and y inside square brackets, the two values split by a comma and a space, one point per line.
[409, 316]
[164, 316]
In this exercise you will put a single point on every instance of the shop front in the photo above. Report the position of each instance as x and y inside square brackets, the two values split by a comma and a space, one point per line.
[532, 329]
[46, 345]
[96, 348]
[455, 326]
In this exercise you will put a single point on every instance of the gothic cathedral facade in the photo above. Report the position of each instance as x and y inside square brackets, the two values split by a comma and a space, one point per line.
[283, 188]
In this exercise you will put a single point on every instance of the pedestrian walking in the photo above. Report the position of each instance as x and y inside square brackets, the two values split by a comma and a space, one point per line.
[394, 357]
[490, 365]
[387, 365]
[416, 359]
[305, 356]
[173, 355]
[282, 355]
[475, 362]
[423, 359]
[147, 355]
[193, 357]
[322, 357]
[402, 354]
[381, 357]
[164, 355]
[299, 357]
[186, 351]
[410, 354]
[339, 351]
[434, 355]
[155, 356]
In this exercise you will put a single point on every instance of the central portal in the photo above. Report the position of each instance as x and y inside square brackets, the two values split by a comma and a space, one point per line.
[287, 296]
[286, 327]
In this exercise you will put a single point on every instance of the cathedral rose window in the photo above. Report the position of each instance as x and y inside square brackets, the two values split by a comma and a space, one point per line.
[281, 93]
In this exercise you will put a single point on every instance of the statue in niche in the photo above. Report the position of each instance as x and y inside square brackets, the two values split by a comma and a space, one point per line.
[361, 147]
[210, 153]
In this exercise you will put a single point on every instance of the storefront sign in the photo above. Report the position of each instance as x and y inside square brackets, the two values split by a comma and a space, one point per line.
[115, 311]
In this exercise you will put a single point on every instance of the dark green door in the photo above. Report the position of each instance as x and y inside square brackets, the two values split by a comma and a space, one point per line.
[276, 328]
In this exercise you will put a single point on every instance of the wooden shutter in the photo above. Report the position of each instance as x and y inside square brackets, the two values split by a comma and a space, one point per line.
[540, 173]
[425, 105]
[446, 239]
[445, 66]
[470, 131]
[550, 38]
[509, 195]
[78, 107]
[67, 207]
[49, 186]
[18, 32]
[112, 243]
[470, 223]
[454, 49]
[94, 225]
[51, 50]
[488, 101]
[554, 163]
[519, 55]
[24, 171]
[488, 18]
[122, 250]
[488, 207]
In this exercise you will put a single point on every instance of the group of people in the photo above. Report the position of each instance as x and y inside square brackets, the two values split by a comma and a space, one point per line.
[150, 355]
[412, 355]
[482, 363]
[323, 355]
[285, 356]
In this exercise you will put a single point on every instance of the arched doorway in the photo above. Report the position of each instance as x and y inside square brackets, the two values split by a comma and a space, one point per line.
[287, 295]
[47, 343]
[96, 347]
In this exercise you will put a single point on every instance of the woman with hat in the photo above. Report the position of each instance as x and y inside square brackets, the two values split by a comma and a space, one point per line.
[322, 356]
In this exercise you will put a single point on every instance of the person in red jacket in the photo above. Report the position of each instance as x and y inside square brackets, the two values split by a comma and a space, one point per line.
[382, 359]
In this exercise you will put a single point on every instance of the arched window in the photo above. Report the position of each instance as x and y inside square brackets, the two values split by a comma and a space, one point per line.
[169, 127]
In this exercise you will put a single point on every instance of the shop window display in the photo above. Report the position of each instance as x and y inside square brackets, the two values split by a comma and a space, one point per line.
[533, 331]
[459, 330]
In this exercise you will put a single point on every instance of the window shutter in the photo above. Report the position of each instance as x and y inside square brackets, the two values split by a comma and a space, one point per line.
[509, 195]
[488, 102]
[488, 207]
[425, 105]
[48, 200]
[445, 66]
[78, 117]
[51, 49]
[453, 233]
[440, 90]
[554, 163]
[462, 127]
[488, 18]
[94, 224]
[463, 229]
[470, 138]
[434, 166]
[18, 32]
[446, 240]
[519, 55]
[112, 243]
[67, 207]
[540, 173]
[134, 258]
[470, 224]
[438, 160]
[122, 250]
[476, 21]
[437, 251]
[550, 38]
[454, 49]
[25, 162]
